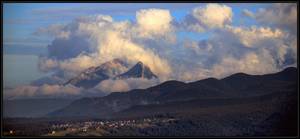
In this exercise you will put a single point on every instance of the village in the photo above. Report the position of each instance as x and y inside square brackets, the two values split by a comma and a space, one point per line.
[99, 125]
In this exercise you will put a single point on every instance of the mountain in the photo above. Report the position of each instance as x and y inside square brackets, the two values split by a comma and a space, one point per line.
[32, 107]
[54, 79]
[139, 70]
[115, 69]
[51, 80]
[169, 96]
[94, 75]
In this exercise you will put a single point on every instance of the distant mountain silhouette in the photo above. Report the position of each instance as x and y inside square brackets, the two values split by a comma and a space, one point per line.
[52, 80]
[115, 69]
[172, 95]
[33, 107]
[94, 75]
[139, 70]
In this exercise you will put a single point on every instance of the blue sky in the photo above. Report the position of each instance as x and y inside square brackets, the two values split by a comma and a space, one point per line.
[22, 19]
[21, 47]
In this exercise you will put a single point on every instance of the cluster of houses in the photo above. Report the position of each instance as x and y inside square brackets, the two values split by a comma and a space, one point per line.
[85, 126]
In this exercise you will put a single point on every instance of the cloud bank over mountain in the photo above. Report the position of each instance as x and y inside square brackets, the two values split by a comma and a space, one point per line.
[152, 38]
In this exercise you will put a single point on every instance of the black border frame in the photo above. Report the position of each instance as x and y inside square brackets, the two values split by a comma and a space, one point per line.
[147, 1]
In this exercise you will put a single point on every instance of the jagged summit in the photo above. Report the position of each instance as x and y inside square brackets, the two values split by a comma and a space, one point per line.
[94, 75]
[139, 70]
[114, 69]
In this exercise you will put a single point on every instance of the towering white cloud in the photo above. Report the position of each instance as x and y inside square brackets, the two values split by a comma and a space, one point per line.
[208, 17]
[89, 41]
[153, 22]
[117, 46]
[97, 39]
[108, 39]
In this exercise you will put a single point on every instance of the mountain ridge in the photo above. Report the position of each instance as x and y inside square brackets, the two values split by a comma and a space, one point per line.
[115, 69]
[176, 91]
[139, 70]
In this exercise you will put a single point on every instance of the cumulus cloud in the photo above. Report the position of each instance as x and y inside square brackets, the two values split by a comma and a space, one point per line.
[92, 40]
[250, 36]
[117, 46]
[81, 62]
[153, 22]
[97, 39]
[68, 48]
[274, 40]
[108, 39]
[251, 63]
[252, 50]
[208, 17]
[46, 64]
[57, 30]
[282, 15]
